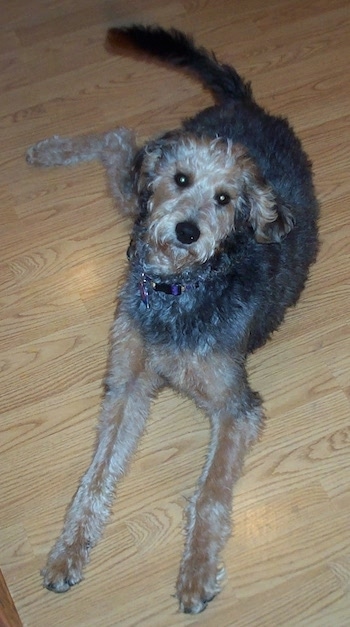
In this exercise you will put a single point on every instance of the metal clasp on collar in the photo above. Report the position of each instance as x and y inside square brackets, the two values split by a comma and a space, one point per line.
[144, 293]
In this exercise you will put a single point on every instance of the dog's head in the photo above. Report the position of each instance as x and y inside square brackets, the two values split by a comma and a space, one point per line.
[196, 191]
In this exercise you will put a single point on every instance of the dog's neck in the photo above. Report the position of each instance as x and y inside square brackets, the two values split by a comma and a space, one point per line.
[151, 283]
[172, 289]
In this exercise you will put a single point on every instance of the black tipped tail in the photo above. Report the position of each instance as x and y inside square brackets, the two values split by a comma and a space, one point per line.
[176, 48]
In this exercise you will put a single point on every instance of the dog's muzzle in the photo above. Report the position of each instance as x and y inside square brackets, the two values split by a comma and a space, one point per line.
[187, 232]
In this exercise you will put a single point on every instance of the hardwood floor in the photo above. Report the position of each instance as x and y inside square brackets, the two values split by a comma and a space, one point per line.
[62, 254]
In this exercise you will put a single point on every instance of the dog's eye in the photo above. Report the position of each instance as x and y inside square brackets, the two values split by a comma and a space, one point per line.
[181, 179]
[222, 199]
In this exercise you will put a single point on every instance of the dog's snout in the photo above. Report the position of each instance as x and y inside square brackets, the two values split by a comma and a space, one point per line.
[187, 232]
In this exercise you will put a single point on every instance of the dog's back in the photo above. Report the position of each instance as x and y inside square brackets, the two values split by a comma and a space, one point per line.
[275, 149]
[269, 139]
[224, 234]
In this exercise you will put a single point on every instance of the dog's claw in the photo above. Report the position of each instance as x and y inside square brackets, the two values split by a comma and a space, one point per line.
[194, 595]
[197, 608]
[53, 587]
[63, 571]
[60, 585]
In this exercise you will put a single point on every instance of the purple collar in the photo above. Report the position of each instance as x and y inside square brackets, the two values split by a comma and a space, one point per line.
[174, 289]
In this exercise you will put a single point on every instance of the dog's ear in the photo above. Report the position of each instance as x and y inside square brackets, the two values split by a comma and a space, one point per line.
[148, 160]
[271, 220]
[145, 166]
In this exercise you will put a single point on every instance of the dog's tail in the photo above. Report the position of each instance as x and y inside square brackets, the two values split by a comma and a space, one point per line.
[176, 48]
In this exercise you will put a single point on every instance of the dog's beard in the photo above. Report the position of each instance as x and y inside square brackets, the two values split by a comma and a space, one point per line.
[165, 255]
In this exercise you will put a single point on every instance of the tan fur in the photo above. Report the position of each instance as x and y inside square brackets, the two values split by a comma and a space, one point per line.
[136, 370]
[213, 167]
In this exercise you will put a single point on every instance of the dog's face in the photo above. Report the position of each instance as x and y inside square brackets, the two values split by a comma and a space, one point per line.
[197, 188]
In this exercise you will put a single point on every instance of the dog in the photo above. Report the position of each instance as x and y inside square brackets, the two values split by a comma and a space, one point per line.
[225, 230]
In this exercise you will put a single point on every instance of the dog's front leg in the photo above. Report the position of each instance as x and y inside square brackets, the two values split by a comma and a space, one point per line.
[130, 386]
[235, 426]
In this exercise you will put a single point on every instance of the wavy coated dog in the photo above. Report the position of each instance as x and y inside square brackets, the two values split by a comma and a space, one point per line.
[225, 230]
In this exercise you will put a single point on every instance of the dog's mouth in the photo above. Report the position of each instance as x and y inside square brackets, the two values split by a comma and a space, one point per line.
[169, 258]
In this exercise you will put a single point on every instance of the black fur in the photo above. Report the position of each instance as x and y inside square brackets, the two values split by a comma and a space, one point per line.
[178, 49]
[242, 293]
[193, 330]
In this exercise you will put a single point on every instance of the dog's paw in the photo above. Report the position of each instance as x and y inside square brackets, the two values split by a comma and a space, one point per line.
[64, 569]
[55, 150]
[196, 587]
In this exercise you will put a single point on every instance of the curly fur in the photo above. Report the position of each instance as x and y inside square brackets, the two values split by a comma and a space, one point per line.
[225, 230]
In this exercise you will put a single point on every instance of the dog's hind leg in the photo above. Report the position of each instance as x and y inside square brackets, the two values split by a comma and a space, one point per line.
[115, 149]
[130, 385]
[57, 150]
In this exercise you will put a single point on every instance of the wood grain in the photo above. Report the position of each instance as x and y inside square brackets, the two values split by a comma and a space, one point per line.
[62, 251]
[8, 613]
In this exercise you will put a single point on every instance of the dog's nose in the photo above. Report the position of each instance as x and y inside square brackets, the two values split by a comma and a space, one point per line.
[187, 232]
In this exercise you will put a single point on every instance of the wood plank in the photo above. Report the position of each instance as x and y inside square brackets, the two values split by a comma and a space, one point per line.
[8, 614]
[62, 254]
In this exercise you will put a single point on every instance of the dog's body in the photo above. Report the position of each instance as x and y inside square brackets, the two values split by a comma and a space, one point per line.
[224, 235]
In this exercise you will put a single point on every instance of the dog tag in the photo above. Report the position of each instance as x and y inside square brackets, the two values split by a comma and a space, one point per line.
[144, 291]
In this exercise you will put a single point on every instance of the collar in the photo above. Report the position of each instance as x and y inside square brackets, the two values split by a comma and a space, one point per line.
[174, 289]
